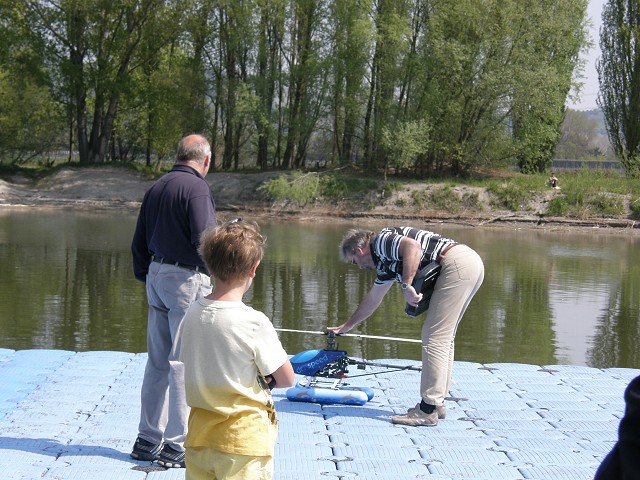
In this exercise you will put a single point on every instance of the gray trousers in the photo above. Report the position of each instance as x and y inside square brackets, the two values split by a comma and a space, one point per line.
[460, 278]
[164, 411]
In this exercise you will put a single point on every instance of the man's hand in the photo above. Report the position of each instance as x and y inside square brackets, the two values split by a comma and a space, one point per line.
[339, 329]
[411, 296]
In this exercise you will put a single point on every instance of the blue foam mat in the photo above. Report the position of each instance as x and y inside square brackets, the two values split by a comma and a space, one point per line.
[75, 415]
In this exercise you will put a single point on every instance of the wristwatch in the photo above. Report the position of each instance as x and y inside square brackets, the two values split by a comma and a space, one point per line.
[405, 286]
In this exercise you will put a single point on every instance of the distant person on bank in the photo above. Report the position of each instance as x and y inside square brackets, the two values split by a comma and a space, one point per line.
[396, 255]
[175, 211]
[553, 181]
[232, 357]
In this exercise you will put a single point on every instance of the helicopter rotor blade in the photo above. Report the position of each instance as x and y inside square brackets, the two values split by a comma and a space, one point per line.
[354, 335]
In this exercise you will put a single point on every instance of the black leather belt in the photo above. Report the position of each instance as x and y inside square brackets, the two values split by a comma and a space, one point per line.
[195, 268]
[444, 251]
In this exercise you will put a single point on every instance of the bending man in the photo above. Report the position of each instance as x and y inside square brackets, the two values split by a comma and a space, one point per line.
[396, 254]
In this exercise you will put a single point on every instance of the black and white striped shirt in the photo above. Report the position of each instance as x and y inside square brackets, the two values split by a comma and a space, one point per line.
[385, 248]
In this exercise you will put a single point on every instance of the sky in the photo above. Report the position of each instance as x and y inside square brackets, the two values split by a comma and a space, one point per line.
[587, 97]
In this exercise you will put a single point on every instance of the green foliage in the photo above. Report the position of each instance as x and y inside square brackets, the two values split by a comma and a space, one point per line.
[471, 202]
[443, 198]
[446, 199]
[558, 206]
[606, 204]
[304, 188]
[439, 89]
[593, 192]
[30, 120]
[635, 208]
[578, 132]
[619, 81]
[301, 189]
[509, 195]
[406, 142]
[336, 187]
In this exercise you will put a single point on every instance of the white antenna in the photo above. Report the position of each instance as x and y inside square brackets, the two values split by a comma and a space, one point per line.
[354, 335]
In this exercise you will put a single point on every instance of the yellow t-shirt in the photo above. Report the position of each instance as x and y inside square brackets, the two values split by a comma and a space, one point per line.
[227, 348]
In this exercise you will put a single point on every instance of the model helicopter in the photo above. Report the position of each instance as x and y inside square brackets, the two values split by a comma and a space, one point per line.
[325, 371]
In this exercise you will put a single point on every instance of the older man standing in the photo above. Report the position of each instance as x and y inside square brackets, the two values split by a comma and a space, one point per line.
[175, 211]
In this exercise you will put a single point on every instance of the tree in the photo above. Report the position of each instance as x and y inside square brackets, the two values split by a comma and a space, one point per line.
[578, 133]
[270, 38]
[554, 33]
[31, 122]
[352, 39]
[307, 80]
[470, 83]
[619, 77]
[91, 47]
[391, 26]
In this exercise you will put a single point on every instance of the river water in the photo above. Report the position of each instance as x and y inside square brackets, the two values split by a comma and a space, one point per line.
[548, 297]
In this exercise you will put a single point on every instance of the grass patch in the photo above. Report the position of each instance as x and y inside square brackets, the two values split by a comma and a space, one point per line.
[508, 195]
[304, 188]
[635, 208]
[471, 202]
[446, 199]
[442, 198]
[606, 204]
[558, 207]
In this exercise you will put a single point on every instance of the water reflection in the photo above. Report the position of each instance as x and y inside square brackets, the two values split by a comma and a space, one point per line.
[548, 298]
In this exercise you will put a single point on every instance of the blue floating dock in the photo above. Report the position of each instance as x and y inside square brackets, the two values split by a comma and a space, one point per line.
[67, 415]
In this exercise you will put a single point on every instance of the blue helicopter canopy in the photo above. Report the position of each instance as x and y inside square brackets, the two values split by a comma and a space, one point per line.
[310, 362]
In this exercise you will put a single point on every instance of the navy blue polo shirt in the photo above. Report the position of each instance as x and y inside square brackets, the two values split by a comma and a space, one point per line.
[174, 212]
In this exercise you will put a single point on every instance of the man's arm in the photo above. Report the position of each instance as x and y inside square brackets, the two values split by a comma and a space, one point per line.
[410, 251]
[139, 250]
[366, 308]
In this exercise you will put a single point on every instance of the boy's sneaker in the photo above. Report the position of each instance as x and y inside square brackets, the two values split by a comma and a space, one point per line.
[171, 458]
[144, 450]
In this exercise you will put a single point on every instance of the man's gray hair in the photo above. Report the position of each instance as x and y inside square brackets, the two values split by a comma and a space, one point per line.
[354, 238]
[193, 148]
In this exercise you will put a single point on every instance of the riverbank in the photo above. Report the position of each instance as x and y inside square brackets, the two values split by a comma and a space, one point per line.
[110, 188]
[67, 415]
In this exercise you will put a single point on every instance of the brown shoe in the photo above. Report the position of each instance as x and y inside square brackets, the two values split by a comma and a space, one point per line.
[416, 418]
[441, 409]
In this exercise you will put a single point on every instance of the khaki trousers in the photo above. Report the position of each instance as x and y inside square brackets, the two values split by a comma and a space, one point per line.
[460, 278]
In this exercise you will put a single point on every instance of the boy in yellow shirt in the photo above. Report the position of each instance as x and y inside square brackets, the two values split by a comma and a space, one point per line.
[232, 357]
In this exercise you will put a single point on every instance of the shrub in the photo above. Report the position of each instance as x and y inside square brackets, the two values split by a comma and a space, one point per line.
[558, 206]
[606, 204]
[635, 208]
[301, 190]
[510, 196]
[471, 202]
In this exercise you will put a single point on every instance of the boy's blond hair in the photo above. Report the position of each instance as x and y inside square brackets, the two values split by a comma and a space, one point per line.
[232, 249]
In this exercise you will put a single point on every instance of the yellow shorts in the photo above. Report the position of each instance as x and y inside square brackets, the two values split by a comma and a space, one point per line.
[209, 464]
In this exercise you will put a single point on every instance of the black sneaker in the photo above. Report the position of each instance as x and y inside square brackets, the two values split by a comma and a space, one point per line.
[171, 458]
[144, 450]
